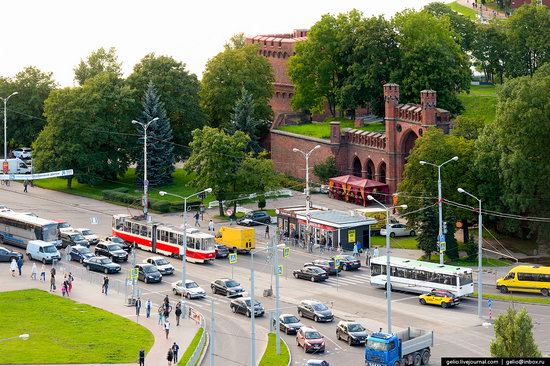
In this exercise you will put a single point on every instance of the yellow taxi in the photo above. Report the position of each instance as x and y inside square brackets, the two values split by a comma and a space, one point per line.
[442, 298]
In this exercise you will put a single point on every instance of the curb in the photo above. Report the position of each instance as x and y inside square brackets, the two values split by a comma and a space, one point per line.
[204, 348]
[289, 353]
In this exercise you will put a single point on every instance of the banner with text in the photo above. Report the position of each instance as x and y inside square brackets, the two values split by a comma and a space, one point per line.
[60, 173]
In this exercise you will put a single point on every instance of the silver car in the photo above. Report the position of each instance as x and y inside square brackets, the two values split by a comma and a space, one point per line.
[191, 291]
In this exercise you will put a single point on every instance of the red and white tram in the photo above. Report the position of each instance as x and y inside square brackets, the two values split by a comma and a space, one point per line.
[163, 239]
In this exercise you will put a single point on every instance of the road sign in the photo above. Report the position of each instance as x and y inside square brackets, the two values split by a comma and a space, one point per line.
[441, 238]
[232, 258]
[93, 220]
[442, 246]
[279, 269]
[489, 303]
[5, 167]
[229, 212]
[286, 252]
[337, 263]
[134, 273]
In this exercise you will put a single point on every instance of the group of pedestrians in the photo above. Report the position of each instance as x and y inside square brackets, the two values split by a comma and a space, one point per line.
[172, 355]
[16, 265]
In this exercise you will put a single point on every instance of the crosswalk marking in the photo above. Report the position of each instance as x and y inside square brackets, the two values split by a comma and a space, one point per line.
[348, 280]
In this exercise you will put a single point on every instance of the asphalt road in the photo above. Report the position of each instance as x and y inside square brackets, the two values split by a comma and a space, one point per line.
[457, 331]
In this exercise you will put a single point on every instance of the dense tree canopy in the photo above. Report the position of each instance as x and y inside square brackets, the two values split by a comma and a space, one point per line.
[514, 335]
[97, 62]
[464, 28]
[243, 119]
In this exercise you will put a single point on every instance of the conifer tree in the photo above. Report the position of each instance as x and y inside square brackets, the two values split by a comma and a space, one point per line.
[160, 151]
[427, 235]
[514, 335]
[243, 120]
[450, 239]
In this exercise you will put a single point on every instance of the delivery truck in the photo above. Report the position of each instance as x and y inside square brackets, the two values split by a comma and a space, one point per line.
[377, 213]
[407, 347]
[16, 166]
[236, 238]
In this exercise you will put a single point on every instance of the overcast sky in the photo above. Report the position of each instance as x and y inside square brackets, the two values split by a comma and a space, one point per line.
[54, 35]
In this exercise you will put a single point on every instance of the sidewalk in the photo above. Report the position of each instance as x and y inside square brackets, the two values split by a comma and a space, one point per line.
[86, 293]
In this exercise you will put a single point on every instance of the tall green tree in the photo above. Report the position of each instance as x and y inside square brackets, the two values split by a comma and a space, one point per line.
[514, 335]
[257, 175]
[426, 239]
[160, 151]
[490, 50]
[430, 58]
[450, 235]
[224, 77]
[326, 170]
[243, 119]
[25, 111]
[464, 28]
[100, 60]
[179, 90]
[468, 127]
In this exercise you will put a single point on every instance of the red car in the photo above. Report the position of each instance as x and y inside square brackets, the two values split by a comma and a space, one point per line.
[310, 340]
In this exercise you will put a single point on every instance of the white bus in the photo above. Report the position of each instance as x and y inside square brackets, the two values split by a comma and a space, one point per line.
[18, 228]
[421, 277]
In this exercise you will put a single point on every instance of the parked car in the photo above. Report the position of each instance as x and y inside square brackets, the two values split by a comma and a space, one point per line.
[310, 340]
[221, 251]
[312, 273]
[315, 310]
[243, 306]
[88, 235]
[442, 298]
[255, 218]
[101, 264]
[191, 291]
[317, 363]
[227, 287]
[351, 332]
[325, 264]
[398, 230]
[348, 262]
[63, 225]
[80, 253]
[163, 266]
[73, 238]
[288, 323]
[127, 247]
[23, 153]
[111, 250]
[7, 255]
[42, 251]
[148, 273]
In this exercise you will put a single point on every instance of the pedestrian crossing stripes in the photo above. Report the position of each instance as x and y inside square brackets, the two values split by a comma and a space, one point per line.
[359, 279]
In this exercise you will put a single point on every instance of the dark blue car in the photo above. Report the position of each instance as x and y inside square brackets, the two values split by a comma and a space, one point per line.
[80, 254]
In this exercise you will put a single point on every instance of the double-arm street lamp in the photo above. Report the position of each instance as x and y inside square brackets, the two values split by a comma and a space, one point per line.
[184, 244]
[388, 263]
[422, 162]
[5, 100]
[479, 255]
[145, 181]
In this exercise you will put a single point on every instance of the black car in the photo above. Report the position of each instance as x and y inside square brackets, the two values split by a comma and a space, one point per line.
[73, 238]
[101, 264]
[80, 254]
[221, 251]
[227, 287]
[351, 332]
[348, 262]
[312, 273]
[127, 247]
[148, 273]
[243, 306]
[7, 255]
[288, 323]
[315, 310]
[255, 218]
[111, 250]
[325, 264]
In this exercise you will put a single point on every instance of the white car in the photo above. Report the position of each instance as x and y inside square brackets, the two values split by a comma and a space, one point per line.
[398, 230]
[191, 291]
[88, 235]
[163, 266]
[23, 153]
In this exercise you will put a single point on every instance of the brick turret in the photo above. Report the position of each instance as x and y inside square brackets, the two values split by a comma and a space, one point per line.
[428, 101]
[335, 135]
[391, 100]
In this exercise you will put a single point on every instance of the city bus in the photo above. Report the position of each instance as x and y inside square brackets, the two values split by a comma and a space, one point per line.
[19, 228]
[164, 239]
[534, 279]
[421, 277]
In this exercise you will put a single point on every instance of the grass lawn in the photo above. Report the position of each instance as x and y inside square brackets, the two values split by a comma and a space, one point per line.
[483, 90]
[64, 332]
[466, 11]
[191, 348]
[477, 106]
[405, 242]
[512, 298]
[179, 186]
[322, 129]
[270, 357]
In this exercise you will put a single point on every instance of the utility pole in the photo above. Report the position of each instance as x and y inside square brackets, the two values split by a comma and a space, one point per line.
[277, 293]
[5, 100]
[212, 331]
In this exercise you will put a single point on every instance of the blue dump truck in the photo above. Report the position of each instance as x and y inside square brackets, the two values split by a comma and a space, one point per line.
[407, 347]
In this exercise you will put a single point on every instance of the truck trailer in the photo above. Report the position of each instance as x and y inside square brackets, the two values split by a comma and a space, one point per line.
[407, 347]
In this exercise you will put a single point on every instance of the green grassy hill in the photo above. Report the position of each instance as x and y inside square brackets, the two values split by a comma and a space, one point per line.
[480, 102]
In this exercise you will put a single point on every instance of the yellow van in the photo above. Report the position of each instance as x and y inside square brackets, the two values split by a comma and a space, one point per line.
[237, 238]
[534, 279]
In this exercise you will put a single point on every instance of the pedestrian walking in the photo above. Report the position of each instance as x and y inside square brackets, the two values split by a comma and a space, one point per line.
[25, 184]
[141, 357]
[138, 306]
[197, 217]
[33, 271]
[148, 306]
[70, 280]
[355, 250]
[161, 317]
[322, 244]
[375, 252]
[13, 267]
[167, 327]
[211, 225]
[170, 356]
[43, 273]
[105, 286]
[65, 286]
[178, 314]
[52, 282]
[20, 264]
[367, 261]
[175, 349]
[68, 250]
[329, 243]
[266, 232]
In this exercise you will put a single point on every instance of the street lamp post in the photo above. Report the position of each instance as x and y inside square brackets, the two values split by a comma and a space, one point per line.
[5, 100]
[145, 182]
[306, 156]
[479, 256]
[388, 263]
[440, 200]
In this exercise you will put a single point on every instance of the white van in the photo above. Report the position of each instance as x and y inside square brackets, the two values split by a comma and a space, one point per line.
[42, 251]
[17, 166]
